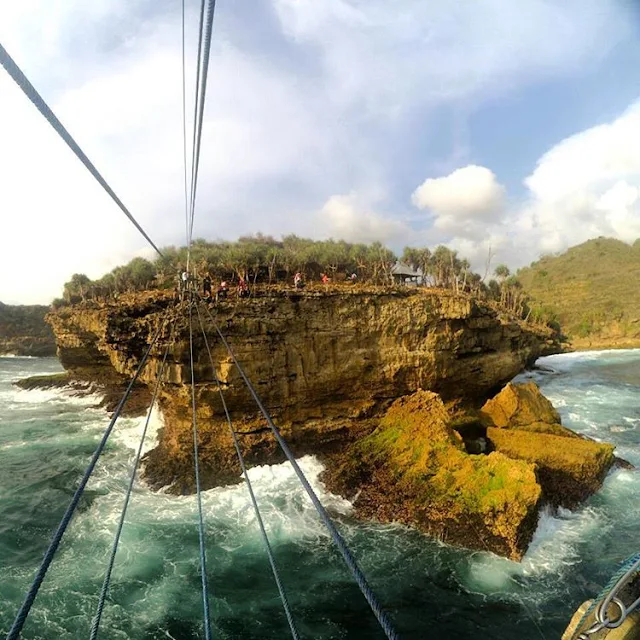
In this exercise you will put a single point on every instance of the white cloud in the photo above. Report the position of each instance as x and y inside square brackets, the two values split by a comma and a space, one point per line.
[310, 108]
[587, 185]
[389, 56]
[464, 202]
[470, 192]
[342, 216]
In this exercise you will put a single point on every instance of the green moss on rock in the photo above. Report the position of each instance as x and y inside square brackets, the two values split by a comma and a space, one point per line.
[519, 405]
[570, 469]
[413, 468]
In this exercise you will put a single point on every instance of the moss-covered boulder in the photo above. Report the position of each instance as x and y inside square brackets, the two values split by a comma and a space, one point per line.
[569, 468]
[524, 425]
[519, 405]
[413, 469]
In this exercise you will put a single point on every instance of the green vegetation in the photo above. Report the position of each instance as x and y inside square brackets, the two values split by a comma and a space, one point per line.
[417, 444]
[263, 259]
[23, 320]
[23, 330]
[591, 290]
[581, 459]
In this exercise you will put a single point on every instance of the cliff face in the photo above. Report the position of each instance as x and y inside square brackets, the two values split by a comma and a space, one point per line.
[315, 355]
[327, 364]
[24, 332]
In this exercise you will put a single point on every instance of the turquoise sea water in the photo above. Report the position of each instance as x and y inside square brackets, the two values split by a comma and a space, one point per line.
[431, 591]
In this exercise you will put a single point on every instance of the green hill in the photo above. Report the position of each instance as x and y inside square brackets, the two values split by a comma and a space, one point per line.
[592, 290]
[23, 331]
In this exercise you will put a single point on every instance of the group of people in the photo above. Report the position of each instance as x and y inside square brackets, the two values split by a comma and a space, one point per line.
[186, 281]
[223, 290]
[298, 279]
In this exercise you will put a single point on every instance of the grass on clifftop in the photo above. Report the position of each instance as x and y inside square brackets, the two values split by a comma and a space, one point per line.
[591, 289]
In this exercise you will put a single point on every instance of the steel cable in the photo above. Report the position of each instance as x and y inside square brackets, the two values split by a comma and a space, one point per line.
[22, 614]
[265, 538]
[95, 625]
[29, 90]
[203, 557]
[347, 556]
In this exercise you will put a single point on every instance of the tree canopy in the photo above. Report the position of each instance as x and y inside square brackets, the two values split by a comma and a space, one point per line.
[263, 259]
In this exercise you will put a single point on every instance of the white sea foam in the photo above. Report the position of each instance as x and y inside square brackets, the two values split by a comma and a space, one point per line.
[128, 431]
[589, 355]
[14, 356]
[286, 509]
[62, 395]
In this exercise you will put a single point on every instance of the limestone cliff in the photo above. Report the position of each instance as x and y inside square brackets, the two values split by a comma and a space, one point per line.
[327, 364]
[316, 355]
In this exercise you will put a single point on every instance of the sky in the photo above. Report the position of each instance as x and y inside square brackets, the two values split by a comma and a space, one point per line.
[492, 126]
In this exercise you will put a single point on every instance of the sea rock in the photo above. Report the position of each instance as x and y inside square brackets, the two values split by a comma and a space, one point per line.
[519, 405]
[328, 364]
[569, 469]
[524, 425]
[413, 469]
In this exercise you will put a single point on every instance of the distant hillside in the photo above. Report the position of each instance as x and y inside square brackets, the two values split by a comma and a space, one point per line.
[24, 332]
[593, 290]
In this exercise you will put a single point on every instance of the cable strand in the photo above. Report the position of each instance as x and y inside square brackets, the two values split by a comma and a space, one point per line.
[203, 93]
[22, 614]
[265, 538]
[29, 90]
[184, 129]
[195, 119]
[350, 561]
[95, 625]
[203, 558]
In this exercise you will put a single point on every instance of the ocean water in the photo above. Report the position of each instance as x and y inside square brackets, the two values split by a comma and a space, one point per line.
[430, 590]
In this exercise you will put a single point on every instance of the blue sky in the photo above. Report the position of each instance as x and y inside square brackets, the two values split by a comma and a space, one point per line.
[510, 125]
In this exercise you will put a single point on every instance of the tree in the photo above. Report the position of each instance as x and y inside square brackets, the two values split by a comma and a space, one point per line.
[76, 287]
[502, 272]
[494, 289]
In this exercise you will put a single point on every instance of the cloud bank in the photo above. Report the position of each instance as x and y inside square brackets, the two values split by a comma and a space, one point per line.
[311, 113]
[587, 185]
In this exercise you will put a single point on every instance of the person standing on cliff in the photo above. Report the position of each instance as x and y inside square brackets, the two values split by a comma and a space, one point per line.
[243, 289]
[223, 290]
[184, 282]
[206, 286]
[297, 281]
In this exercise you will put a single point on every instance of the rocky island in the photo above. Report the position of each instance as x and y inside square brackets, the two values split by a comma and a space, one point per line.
[400, 391]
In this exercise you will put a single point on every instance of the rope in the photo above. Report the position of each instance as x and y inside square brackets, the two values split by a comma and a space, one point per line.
[203, 558]
[201, 92]
[350, 561]
[29, 90]
[21, 617]
[195, 118]
[265, 538]
[107, 579]
[184, 133]
[624, 567]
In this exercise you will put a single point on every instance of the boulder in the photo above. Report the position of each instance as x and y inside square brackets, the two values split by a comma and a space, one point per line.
[524, 425]
[519, 405]
[414, 469]
[569, 469]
